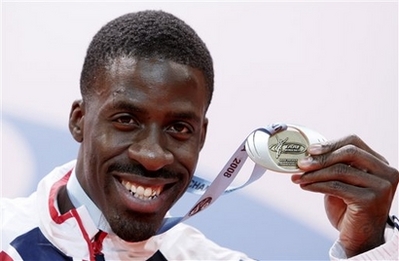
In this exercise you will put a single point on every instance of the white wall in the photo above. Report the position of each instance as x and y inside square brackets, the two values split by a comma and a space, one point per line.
[330, 66]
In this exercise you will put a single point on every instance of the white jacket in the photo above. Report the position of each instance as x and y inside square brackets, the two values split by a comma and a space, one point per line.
[33, 229]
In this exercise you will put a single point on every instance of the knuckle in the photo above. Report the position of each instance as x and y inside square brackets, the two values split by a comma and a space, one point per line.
[395, 175]
[351, 150]
[382, 192]
[385, 185]
[340, 169]
[336, 185]
[323, 160]
[354, 139]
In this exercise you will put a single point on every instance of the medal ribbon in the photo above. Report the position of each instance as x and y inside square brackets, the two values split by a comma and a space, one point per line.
[211, 191]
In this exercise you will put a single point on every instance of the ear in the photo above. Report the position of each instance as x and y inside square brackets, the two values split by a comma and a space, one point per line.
[76, 118]
[203, 134]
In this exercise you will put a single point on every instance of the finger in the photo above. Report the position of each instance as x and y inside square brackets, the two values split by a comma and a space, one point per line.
[359, 199]
[354, 187]
[353, 156]
[343, 173]
[329, 146]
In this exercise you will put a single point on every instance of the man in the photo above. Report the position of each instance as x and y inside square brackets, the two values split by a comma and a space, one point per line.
[146, 85]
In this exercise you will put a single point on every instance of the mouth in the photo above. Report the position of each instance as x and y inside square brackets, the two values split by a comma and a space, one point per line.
[143, 194]
[141, 191]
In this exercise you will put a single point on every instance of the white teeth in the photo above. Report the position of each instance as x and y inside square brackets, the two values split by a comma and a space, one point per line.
[140, 192]
[147, 192]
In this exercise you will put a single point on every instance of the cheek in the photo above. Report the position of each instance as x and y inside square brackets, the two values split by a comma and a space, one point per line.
[97, 149]
[94, 146]
[187, 156]
[101, 143]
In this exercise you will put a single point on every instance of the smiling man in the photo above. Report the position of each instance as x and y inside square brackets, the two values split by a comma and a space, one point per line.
[146, 85]
[141, 126]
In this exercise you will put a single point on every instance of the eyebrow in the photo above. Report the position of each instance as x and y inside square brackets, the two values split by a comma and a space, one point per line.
[127, 106]
[184, 115]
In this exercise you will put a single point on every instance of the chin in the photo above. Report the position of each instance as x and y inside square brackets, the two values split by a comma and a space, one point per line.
[136, 229]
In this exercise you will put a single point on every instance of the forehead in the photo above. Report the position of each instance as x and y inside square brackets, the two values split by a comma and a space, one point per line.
[151, 71]
[150, 79]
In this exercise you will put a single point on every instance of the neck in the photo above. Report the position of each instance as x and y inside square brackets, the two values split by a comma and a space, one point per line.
[64, 203]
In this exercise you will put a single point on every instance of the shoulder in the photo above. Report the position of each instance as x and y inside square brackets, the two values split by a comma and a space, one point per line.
[184, 242]
[19, 215]
[18, 208]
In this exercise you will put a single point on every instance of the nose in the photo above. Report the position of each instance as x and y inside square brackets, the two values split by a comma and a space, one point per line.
[149, 150]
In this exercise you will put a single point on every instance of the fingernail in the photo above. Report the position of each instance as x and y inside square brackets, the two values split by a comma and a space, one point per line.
[296, 179]
[315, 148]
[305, 162]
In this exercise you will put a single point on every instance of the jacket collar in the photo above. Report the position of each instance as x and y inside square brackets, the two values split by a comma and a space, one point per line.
[79, 198]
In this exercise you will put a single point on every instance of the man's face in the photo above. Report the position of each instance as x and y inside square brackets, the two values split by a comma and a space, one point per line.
[141, 132]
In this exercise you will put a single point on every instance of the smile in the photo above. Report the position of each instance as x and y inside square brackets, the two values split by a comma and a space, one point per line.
[141, 192]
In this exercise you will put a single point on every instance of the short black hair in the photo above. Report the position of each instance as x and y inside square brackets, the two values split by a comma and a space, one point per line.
[146, 34]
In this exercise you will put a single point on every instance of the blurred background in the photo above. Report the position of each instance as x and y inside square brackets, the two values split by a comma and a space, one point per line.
[331, 66]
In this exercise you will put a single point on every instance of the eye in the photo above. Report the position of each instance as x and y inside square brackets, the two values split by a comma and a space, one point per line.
[180, 128]
[124, 121]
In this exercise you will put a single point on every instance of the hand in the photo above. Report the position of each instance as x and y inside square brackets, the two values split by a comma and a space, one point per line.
[359, 187]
